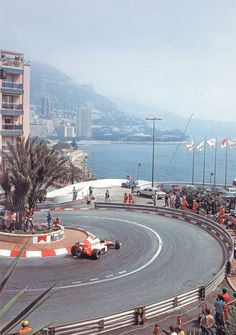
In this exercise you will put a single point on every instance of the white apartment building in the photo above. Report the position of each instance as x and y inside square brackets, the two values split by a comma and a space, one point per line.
[83, 123]
[14, 99]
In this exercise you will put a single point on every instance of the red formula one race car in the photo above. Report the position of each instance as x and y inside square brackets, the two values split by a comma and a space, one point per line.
[93, 247]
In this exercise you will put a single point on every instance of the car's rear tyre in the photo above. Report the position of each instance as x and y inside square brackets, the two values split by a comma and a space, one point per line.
[96, 254]
[74, 251]
[117, 244]
[138, 193]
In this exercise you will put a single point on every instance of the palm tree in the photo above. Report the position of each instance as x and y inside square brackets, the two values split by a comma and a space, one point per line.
[30, 169]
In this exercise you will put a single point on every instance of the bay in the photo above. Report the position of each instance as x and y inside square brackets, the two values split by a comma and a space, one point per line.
[173, 162]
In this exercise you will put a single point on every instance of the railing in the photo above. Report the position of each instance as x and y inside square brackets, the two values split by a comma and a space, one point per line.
[9, 84]
[140, 314]
[10, 126]
[11, 105]
[12, 63]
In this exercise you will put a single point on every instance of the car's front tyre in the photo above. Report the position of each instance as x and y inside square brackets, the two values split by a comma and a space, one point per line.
[74, 251]
[96, 254]
[117, 244]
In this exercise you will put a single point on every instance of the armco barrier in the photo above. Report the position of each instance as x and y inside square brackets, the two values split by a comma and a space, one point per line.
[140, 314]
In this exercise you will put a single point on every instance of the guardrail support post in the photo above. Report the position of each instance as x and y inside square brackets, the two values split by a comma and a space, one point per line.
[101, 325]
[51, 330]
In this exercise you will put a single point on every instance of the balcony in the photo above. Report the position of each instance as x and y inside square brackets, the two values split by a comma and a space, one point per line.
[11, 109]
[9, 87]
[12, 66]
[10, 129]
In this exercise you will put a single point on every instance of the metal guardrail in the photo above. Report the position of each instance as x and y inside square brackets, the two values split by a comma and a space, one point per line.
[140, 314]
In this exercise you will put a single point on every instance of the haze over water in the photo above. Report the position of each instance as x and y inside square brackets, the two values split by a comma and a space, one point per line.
[117, 160]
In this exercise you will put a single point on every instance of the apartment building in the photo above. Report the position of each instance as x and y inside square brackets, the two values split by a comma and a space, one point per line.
[14, 99]
[83, 123]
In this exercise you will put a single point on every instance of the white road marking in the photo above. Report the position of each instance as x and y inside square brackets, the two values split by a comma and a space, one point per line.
[120, 273]
[108, 276]
[77, 282]
[151, 260]
[93, 279]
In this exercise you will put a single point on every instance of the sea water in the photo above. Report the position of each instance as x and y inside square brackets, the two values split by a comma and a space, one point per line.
[172, 162]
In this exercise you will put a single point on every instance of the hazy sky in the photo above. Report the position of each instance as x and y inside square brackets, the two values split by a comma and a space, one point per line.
[179, 55]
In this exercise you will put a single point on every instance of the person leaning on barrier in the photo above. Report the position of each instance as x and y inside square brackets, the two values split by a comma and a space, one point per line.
[207, 322]
[25, 327]
[172, 330]
[180, 330]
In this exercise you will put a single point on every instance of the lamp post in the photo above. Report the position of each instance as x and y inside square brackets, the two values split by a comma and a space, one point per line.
[139, 165]
[153, 119]
[212, 174]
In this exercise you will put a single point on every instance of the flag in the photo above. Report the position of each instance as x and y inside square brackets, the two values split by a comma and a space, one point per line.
[223, 143]
[211, 143]
[189, 146]
[232, 143]
[200, 146]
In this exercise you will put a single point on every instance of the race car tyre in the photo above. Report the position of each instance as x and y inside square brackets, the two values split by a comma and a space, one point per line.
[96, 254]
[117, 244]
[138, 193]
[74, 251]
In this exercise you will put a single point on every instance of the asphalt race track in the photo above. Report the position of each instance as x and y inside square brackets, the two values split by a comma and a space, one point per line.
[159, 258]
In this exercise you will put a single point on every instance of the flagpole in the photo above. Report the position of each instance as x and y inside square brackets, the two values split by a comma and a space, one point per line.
[226, 163]
[215, 164]
[204, 163]
[193, 161]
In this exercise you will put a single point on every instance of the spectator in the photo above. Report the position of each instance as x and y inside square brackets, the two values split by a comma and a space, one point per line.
[31, 219]
[154, 198]
[177, 201]
[130, 199]
[172, 330]
[219, 310]
[221, 218]
[166, 200]
[226, 295]
[90, 191]
[107, 196]
[12, 221]
[207, 322]
[49, 218]
[180, 331]
[195, 206]
[125, 199]
[156, 330]
[184, 204]
[25, 327]
[56, 223]
[74, 193]
[172, 200]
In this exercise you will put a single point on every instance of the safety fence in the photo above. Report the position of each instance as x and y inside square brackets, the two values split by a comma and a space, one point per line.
[141, 314]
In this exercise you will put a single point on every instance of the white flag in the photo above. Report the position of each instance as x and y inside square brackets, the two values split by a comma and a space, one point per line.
[200, 146]
[223, 143]
[211, 143]
[232, 143]
[189, 146]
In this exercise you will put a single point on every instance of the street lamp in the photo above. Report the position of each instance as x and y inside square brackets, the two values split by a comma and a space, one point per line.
[153, 119]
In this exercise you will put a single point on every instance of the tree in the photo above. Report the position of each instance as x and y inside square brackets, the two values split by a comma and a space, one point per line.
[75, 174]
[30, 169]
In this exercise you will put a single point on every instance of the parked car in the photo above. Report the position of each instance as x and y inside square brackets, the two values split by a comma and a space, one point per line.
[130, 184]
[170, 188]
[218, 189]
[150, 191]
